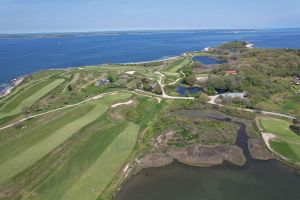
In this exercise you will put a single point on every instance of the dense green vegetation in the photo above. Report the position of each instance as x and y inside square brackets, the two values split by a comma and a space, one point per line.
[266, 75]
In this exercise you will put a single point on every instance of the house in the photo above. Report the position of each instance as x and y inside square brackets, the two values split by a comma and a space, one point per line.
[102, 82]
[231, 72]
[296, 81]
[202, 79]
[233, 95]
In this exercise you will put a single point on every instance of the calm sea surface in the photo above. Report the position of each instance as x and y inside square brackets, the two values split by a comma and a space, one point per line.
[29, 53]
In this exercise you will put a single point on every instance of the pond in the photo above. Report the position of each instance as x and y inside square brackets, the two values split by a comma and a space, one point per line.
[185, 91]
[206, 60]
[259, 180]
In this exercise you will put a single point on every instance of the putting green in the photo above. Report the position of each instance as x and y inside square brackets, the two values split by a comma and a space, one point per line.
[96, 178]
[28, 97]
[286, 143]
[26, 158]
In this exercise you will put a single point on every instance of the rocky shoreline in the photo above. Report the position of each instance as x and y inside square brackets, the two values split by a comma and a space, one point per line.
[196, 155]
[14, 83]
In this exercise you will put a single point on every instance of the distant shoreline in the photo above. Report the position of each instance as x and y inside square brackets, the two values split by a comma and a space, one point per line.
[15, 82]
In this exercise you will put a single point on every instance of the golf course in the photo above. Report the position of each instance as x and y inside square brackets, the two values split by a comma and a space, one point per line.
[284, 142]
[27, 97]
[82, 133]
[74, 150]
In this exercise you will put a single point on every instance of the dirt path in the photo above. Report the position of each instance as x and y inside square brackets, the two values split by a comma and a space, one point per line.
[213, 99]
[164, 95]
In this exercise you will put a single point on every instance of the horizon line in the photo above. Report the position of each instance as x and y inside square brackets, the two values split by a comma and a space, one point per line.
[145, 30]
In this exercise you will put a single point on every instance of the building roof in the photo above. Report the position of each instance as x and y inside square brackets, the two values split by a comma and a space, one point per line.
[234, 95]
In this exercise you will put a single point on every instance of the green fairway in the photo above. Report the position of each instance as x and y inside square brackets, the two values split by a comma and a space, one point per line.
[286, 142]
[35, 152]
[276, 126]
[176, 65]
[98, 154]
[96, 178]
[28, 97]
[16, 140]
[122, 68]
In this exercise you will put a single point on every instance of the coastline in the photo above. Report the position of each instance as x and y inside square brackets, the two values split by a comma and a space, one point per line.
[152, 61]
[14, 83]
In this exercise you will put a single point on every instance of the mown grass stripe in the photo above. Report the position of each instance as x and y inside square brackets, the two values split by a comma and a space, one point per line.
[16, 140]
[94, 181]
[16, 105]
[37, 151]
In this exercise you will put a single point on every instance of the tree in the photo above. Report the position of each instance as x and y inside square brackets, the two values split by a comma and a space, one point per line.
[111, 78]
[147, 87]
[157, 89]
[70, 88]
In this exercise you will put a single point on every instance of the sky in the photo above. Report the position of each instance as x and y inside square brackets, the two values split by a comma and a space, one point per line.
[32, 16]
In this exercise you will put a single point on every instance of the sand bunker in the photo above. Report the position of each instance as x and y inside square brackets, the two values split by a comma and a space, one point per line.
[120, 104]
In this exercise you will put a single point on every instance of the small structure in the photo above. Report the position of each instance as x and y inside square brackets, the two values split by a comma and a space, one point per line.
[201, 79]
[102, 82]
[231, 72]
[296, 81]
[234, 95]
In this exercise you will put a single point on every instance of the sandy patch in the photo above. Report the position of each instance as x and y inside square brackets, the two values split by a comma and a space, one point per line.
[250, 46]
[130, 72]
[158, 100]
[120, 104]
[267, 137]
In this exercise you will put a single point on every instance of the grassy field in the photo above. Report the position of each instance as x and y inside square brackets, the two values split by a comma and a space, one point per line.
[39, 148]
[75, 78]
[284, 103]
[147, 72]
[286, 142]
[28, 97]
[96, 178]
[176, 65]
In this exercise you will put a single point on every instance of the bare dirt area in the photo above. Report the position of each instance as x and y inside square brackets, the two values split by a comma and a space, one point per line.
[258, 150]
[209, 155]
[197, 155]
[155, 160]
[162, 140]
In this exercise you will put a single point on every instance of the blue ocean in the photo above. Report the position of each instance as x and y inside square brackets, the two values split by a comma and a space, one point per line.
[24, 54]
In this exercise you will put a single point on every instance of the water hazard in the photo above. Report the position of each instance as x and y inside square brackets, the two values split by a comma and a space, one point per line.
[208, 60]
